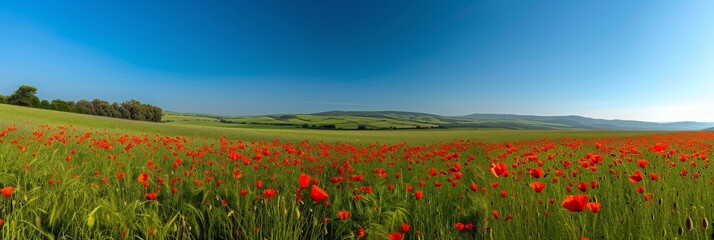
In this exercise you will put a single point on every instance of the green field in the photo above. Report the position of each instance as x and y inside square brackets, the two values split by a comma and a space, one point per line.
[353, 120]
[191, 128]
[183, 117]
[70, 176]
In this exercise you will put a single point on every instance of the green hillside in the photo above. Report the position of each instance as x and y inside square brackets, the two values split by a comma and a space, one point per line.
[339, 120]
[33, 118]
[382, 120]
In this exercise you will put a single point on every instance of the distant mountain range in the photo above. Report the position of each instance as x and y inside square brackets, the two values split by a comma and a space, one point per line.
[593, 123]
[514, 121]
[406, 120]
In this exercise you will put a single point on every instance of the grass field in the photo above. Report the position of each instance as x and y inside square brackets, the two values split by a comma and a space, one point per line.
[68, 176]
[35, 117]
[352, 120]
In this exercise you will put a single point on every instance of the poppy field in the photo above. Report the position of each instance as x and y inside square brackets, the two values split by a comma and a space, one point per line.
[67, 182]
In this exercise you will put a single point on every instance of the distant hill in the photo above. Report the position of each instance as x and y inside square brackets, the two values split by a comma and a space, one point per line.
[346, 120]
[593, 123]
[413, 120]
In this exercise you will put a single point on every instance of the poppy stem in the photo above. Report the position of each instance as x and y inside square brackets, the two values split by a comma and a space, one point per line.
[582, 224]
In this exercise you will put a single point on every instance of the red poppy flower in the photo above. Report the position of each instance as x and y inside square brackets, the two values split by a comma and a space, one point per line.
[474, 187]
[654, 176]
[499, 169]
[642, 163]
[659, 147]
[538, 186]
[259, 184]
[151, 196]
[636, 177]
[396, 236]
[495, 214]
[7, 191]
[536, 172]
[594, 207]
[575, 203]
[405, 227]
[343, 214]
[317, 194]
[360, 232]
[583, 186]
[143, 177]
[418, 195]
[304, 180]
[459, 226]
[268, 193]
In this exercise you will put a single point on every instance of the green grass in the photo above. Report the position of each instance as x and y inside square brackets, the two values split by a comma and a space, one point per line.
[375, 121]
[93, 203]
[174, 117]
[34, 117]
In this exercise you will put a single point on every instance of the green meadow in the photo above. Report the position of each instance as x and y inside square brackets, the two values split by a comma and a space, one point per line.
[72, 176]
[201, 126]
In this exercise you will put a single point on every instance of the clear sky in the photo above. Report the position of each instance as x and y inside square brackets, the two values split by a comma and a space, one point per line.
[643, 60]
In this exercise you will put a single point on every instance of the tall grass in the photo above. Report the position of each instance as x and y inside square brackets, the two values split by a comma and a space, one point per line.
[87, 200]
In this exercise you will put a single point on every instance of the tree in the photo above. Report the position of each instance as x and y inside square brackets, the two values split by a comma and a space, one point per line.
[61, 105]
[116, 110]
[73, 107]
[44, 104]
[103, 108]
[140, 111]
[123, 112]
[24, 96]
[134, 107]
[87, 107]
[158, 113]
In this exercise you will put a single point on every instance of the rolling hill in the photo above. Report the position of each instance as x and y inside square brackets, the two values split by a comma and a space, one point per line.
[28, 119]
[345, 120]
[592, 123]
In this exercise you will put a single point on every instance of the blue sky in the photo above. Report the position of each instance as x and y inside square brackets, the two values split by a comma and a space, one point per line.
[644, 60]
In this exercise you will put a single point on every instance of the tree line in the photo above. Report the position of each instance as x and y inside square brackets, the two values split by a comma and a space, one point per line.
[132, 109]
